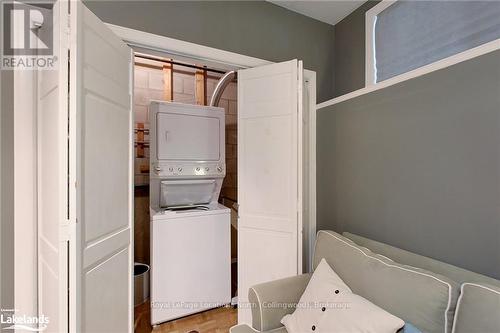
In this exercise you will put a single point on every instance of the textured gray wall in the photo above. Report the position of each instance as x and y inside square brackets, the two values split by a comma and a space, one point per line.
[349, 68]
[254, 28]
[417, 165]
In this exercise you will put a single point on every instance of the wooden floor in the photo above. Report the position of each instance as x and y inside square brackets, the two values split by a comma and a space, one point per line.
[212, 321]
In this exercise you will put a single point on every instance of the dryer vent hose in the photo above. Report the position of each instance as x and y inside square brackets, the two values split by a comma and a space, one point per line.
[221, 85]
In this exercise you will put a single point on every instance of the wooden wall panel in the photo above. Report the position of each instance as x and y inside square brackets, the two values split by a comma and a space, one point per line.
[201, 87]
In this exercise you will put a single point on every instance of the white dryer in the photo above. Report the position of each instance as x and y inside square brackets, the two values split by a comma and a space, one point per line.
[190, 230]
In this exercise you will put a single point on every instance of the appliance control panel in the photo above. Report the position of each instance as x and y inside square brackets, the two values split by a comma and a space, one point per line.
[188, 169]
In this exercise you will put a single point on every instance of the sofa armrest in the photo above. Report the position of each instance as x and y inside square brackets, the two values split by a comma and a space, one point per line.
[271, 301]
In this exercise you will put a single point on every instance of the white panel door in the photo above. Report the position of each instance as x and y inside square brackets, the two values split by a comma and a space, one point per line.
[101, 263]
[52, 179]
[268, 177]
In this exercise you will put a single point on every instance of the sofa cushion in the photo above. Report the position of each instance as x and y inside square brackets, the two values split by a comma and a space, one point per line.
[328, 305]
[478, 309]
[404, 257]
[421, 297]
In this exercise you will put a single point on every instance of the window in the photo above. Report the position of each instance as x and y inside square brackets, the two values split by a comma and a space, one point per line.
[406, 35]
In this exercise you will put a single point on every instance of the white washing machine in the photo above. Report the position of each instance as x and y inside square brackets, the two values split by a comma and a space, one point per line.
[190, 262]
[190, 230]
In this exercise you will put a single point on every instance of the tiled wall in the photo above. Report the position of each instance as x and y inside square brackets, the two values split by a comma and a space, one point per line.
[184, 87]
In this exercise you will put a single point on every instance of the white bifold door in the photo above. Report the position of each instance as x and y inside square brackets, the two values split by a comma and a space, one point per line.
[85, 135]
[270, 176]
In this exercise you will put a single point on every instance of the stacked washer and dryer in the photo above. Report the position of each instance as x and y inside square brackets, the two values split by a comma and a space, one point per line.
[190, 230]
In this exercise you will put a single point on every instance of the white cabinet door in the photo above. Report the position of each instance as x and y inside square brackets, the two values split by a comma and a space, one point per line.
[101, 171]
[269, 228]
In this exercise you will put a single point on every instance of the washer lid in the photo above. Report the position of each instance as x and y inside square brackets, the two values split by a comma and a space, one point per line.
[167, 214]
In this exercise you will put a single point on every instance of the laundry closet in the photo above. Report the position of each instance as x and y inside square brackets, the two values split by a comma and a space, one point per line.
[185, 222]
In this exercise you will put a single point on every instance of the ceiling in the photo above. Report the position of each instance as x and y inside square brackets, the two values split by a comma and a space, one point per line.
[330, 12]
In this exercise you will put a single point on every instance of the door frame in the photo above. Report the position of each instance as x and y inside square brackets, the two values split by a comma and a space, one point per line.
[176, 47]
[230, 61]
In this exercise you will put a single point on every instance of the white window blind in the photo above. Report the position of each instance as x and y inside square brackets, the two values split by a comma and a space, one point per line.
[411, 34]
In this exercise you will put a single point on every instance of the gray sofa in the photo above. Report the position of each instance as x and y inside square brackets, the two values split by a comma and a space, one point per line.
[433, 296]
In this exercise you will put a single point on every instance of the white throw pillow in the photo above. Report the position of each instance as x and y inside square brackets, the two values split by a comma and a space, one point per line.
[329, 306]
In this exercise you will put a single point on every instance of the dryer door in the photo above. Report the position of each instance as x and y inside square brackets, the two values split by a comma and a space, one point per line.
[187, 137]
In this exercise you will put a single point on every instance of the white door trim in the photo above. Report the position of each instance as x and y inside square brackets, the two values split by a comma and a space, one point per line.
[310, 85]
[440, 64]
[146, 40]
[137, 38]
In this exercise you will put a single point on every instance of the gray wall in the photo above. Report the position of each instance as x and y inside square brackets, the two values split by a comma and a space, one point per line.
[7, 189]
[255, 28]
[417, 165]
[349, 68]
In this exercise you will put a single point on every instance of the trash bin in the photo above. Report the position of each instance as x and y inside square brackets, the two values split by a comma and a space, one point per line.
[141, 283]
